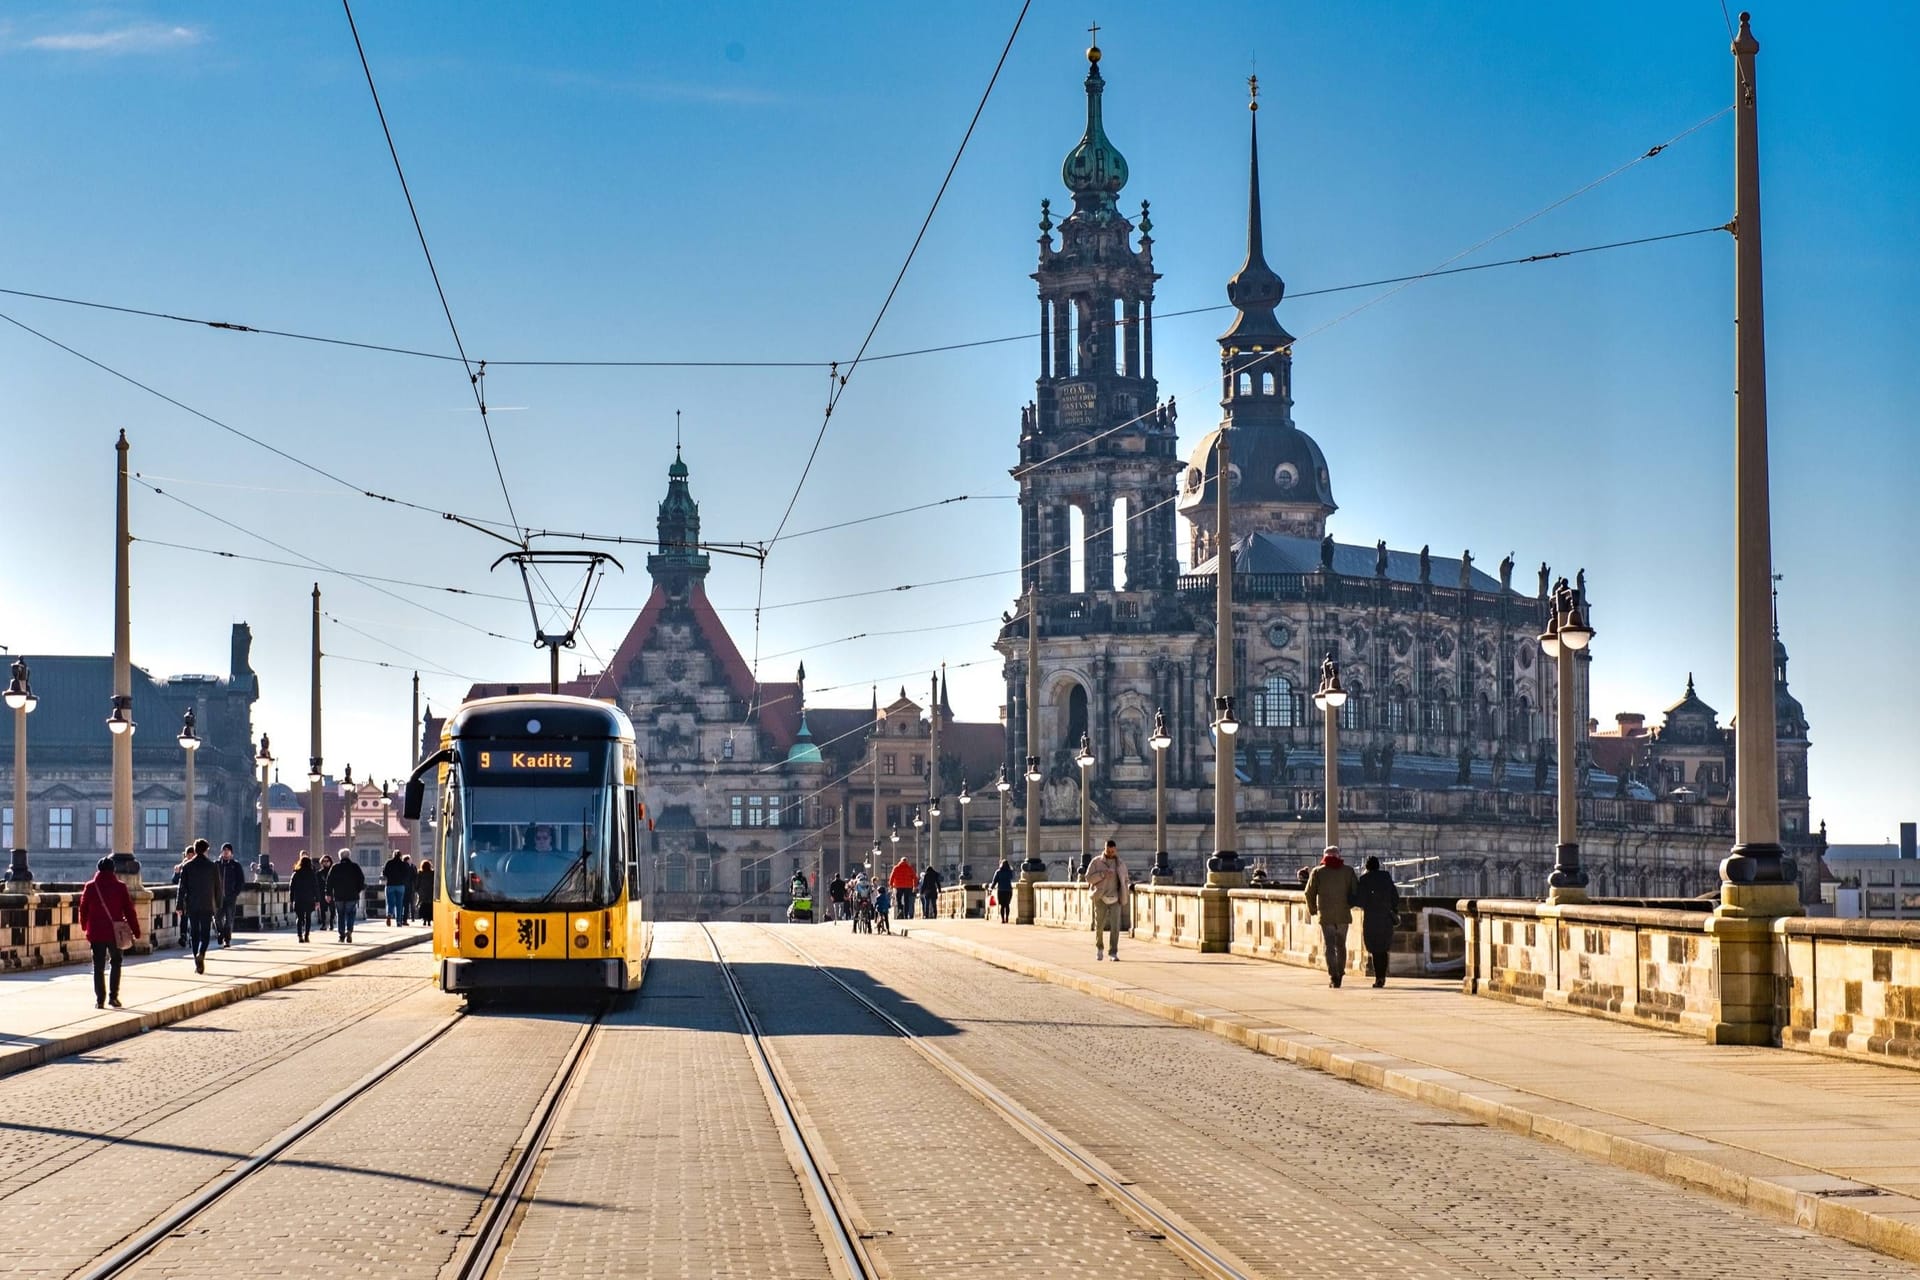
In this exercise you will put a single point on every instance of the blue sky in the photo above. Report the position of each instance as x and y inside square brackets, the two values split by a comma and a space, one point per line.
[740, 181]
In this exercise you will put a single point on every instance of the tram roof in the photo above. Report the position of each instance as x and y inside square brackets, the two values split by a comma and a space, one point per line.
[558, 715]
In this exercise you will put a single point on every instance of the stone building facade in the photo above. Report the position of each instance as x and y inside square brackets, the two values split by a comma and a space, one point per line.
[1447, 756]
[69, 821]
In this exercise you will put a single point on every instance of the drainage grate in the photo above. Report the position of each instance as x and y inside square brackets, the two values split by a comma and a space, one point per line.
[1851, 1191]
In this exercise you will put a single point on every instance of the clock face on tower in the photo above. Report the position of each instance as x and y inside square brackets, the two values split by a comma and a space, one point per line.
[1279, 635]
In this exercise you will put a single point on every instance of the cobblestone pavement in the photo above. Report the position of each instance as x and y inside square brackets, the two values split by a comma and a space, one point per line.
[1303, 1174]
[946, 1188]
[390, 1184]
[671, 1128]
[94, 1147]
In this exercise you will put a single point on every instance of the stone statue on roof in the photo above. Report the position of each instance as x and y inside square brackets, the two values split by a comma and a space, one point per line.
[1326, 554]
[1380, 558]
[1543, 580]
[1506, 572]
[1386, 764]
[1426, 564]
[1466, 570]
[1464, 757]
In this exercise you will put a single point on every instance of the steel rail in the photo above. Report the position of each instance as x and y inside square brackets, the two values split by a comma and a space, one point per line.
[838, 1218]
[135, 1250]
[499, 1212]
[1205, 1258]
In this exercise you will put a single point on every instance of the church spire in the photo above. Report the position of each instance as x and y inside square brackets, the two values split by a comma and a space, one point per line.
[679, 563]
[1094, 170]
[1255, 290]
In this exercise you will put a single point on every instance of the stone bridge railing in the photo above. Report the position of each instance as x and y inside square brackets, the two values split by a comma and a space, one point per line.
[963, 902]
[42, 928]
[1849, 988]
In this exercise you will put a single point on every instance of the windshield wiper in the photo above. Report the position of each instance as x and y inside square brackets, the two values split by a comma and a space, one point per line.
[579, 865]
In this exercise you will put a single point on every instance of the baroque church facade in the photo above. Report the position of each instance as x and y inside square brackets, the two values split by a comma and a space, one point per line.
[1446, 744]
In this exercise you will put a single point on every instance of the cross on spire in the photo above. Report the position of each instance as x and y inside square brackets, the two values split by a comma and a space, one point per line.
[1093, 30]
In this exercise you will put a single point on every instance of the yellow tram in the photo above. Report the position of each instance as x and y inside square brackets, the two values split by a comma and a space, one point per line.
[535, 841]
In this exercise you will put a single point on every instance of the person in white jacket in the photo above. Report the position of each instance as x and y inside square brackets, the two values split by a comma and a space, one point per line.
[1107, 886]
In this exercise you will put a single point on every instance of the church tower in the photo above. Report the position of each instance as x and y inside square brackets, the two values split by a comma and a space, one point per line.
[1278, 474]
[678, 565]
[1095, 438]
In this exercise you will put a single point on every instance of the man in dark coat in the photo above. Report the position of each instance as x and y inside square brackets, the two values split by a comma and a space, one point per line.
[1379, 902]
[398, 877]
[200, 895]
[233, 878]
[304, 890]
[346, 882]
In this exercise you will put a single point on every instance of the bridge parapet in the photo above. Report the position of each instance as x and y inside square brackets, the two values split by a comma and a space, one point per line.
[42, 928]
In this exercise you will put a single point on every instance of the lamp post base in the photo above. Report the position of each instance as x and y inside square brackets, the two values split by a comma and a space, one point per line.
[1223, 870]
[1568, 880]
[1162, 870]
[19, 875]
[125, 865]
[1757, 880]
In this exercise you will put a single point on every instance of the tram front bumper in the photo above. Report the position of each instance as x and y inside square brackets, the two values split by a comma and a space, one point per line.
[533, 975]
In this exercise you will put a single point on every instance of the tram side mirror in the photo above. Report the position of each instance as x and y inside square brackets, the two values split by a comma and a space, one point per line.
[416, 796]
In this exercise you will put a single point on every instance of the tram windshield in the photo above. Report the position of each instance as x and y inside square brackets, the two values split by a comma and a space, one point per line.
[534, 827]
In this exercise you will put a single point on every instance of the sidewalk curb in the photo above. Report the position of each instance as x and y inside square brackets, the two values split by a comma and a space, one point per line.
[128, 1024]
[1779, 1189]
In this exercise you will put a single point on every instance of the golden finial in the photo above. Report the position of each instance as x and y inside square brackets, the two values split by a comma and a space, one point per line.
[1253, 93]
[1093, 48]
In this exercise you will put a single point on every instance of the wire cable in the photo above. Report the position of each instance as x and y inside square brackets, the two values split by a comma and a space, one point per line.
[473, 379]
[840, 386]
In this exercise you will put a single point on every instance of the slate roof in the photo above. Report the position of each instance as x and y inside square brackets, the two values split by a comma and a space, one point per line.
[1284, 553]
[76, 693]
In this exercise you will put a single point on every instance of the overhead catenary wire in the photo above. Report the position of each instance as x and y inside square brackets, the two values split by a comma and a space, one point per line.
[841, 379]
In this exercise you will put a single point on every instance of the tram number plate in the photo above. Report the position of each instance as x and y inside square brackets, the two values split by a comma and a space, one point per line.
[531, 760]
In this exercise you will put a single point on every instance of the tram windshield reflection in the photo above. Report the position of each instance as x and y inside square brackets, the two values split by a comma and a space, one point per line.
[535, 841]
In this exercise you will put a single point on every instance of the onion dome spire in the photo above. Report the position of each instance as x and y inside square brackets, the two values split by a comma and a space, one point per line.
[1094, 170]
[1255, 289]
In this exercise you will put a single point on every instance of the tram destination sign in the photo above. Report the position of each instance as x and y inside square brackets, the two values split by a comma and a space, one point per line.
[531, 760]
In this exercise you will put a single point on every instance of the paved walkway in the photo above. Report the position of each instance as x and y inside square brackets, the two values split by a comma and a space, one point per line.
[1830, 1144]
[48, 1013]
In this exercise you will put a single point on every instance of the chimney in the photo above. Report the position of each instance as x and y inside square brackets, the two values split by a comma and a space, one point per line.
[1906, 840]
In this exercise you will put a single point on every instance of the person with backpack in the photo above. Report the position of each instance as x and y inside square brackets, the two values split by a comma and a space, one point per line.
[346, 882]
[107, 918]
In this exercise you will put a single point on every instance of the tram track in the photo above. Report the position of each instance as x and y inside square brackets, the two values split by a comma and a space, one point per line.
[489, 1235]
[838, 1229]
[1200, 1254]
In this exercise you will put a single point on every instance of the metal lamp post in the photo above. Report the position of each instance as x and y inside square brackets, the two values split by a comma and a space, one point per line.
[1003, 786]
[1330, 697]
[189, 740]
[1085, 760]
[966, 801]
[20, 697]
[885, 876]
[1566, 634]
[263, 760]
[1160, 741]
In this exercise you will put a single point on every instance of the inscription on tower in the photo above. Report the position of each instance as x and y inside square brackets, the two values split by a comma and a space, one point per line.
[1078, 403]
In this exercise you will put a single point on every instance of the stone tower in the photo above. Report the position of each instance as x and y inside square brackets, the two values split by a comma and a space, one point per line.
[678, 565]
[1095, 437]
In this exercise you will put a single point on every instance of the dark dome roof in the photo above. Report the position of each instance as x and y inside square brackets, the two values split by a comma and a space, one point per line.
[1274, 464]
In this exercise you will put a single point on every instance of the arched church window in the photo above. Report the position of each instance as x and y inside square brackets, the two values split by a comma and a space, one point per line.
[1350, 710]
[676, 873]
[1397, 710]
[1274, 705]
[1266, 384]
[1245, 385]
[1076, 717]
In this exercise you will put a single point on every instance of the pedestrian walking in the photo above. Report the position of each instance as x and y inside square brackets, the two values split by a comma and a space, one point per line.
[233, 878]
[930, 892]
[346, 882]
[1107, 887]
[837, 895]
[395, 875]
[423, 892]
[108, 920]
[304, 889]
[323, 871]
[1003, 887]
[1379, 901]
[201, 888]
[1330, 891]
[903, 880]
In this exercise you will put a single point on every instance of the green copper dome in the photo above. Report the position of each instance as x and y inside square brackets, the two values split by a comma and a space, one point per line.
[1094, 170]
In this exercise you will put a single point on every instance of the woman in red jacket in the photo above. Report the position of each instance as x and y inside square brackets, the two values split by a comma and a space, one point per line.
[107, 918]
